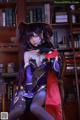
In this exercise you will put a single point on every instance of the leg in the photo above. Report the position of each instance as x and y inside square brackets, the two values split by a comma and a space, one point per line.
[16, 113]
[36, 106]
[18, 110]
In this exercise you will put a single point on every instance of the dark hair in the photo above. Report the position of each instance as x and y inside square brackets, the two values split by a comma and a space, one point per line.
[25, 31]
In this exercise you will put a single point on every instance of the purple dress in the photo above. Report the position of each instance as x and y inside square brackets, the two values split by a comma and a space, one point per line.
[36, 78]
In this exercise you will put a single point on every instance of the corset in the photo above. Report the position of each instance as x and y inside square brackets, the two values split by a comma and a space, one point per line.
[36, 74]
[36, 68]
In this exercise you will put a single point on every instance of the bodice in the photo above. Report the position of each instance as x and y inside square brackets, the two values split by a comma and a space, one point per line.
[33, 55]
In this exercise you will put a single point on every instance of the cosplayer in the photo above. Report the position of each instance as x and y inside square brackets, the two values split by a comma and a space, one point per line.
[39, 72]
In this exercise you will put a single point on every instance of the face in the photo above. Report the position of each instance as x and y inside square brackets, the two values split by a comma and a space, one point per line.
[35, 40]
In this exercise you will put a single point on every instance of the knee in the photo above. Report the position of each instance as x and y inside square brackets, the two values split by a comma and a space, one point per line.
[20, 111]
[15, 113]
[20, 108]
[33, 107]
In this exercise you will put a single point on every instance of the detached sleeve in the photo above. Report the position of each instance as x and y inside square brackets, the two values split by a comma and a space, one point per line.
[55, 64]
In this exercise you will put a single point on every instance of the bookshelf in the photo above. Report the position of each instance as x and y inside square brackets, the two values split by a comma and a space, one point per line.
[9, 51]
[64, 18]
[65, 31]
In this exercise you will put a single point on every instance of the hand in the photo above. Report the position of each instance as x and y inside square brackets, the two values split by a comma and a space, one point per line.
[52, 54]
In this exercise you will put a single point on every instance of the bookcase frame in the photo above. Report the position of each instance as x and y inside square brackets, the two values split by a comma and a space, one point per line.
[21, 6]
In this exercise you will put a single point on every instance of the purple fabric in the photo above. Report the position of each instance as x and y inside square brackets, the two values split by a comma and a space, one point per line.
[29, 78]
[29, 73]
[55, 66]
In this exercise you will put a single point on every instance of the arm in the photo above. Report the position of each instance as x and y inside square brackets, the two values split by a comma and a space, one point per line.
[29, 66]
[55, 61]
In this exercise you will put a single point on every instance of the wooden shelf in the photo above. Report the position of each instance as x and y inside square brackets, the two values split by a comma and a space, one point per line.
[7, 5]
[76, 12]
[76, 30]
[65, 25]
[68, 49]
[9, 75]
[9, 49]
[60, 25]
[7, 27]
[39, 3]
[66, 3]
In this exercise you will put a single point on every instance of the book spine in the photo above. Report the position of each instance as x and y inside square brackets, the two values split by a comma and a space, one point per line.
[34, 15]
[3, 19]
[13, 17]
[31, 16]
[47, 12]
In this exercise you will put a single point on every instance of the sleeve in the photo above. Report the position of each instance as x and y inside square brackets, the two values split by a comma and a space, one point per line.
[54, 60]
[56, 64]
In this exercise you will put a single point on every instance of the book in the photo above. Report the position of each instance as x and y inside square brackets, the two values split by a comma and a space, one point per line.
[47, 12]
[35, 14]
[61, 17]
[7, 17]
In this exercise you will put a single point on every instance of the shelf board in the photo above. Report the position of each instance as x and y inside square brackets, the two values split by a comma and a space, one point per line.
[69, 73]
[66, 3]
[76, 30]
[7, 5]
[60, 25]
[68, 49]
[76, 12]
[9, 75]
[9, 49]
[8, 27]
[65, 24]
[36, 3]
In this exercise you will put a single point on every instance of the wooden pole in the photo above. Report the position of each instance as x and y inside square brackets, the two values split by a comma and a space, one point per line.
[20, 11]
[75, 63]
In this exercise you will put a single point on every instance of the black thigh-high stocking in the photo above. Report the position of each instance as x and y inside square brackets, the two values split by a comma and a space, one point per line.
[37, 106]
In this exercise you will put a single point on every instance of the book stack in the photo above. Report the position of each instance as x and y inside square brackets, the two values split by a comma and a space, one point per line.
[11, 67]
[61, 17]
[2, 68]
[38, 14]
[7, 1]
[7, 17]
[35, 15]
[2, 1]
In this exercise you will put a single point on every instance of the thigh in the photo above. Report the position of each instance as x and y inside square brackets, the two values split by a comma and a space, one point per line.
[39, 98]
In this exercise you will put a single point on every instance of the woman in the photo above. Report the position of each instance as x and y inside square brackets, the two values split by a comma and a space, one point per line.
[41, 66]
